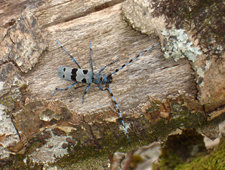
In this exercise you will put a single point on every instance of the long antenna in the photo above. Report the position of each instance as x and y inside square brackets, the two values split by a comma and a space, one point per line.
[68, 53]
[131, 60]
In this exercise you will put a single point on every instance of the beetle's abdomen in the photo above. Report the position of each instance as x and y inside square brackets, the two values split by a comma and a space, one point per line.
[75, 74]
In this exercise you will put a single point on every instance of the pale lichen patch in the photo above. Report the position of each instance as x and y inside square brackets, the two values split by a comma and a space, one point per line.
[8, 133]
[177, 45]
[51, 150]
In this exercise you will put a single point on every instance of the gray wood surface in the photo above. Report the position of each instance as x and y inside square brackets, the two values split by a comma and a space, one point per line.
[112, 39]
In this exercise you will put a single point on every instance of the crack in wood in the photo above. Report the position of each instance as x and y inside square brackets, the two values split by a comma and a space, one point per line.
[87, 12]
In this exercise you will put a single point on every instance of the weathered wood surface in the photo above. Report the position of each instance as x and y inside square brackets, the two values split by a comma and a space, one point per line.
[209, 69]
[75, 24]
[112, 39]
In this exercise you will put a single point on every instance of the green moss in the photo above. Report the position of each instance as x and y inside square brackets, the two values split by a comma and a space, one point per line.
[95, 143]
[16, 161]
[169, 161]
[181, 117]
[178, 154]
[111, 142]
[155, 107]
[214, 160]
[96, 156]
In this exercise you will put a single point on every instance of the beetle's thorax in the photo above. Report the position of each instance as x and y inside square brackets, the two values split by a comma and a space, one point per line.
[102, 79]
[97, 78]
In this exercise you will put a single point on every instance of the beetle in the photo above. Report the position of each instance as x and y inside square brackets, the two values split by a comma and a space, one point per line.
[79, 75]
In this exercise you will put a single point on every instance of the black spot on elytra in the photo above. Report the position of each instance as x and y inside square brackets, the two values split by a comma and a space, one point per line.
[74, 74]
[74, 71]
[64, 69]
[84, 81]
[85, 71]
[63, 76]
